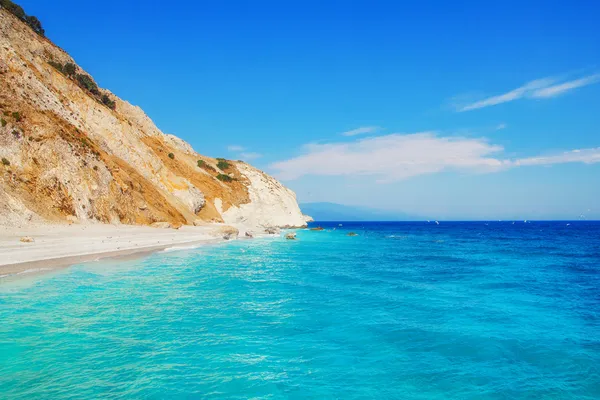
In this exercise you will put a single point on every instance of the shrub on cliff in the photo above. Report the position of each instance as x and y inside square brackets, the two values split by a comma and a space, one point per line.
[108, 102]
[18, 12]
[224, 178]
[3, 121]
[5, 161]
[171, 156]
[69, 69]
[16, 116]
[223, 164]
[86, 82]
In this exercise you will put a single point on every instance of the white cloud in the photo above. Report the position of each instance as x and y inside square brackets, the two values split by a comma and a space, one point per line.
[361, 130]
[501, 126]
[400, 156]
[559, 89]
[250, 156]
[587, 156]
[392, 157]
[235, 148]
[538, 89]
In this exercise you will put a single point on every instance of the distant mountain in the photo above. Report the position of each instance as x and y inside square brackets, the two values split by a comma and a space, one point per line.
[340, 212]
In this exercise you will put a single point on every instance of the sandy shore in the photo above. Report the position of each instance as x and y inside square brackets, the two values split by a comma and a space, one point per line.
[58, 246]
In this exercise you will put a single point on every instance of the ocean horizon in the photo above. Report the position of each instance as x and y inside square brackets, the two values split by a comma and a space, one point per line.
[403, 310]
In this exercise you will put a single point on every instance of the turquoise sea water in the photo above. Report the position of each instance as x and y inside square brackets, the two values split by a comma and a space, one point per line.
[403, 311]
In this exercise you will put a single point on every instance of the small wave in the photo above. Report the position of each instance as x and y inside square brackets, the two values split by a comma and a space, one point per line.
[178, 248]
[32, 270]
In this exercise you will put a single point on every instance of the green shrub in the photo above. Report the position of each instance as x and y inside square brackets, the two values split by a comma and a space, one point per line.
[35, 24]
[108, 102]
[56, 65]
[3, 121]
[18, 12]
[225, 178]
[69, 69]
[5, 161]
[16, 116]
[171, 156]
[201, 163]
[86, 82]
[223, 164]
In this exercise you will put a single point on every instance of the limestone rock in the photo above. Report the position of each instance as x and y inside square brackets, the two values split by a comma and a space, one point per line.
[229, 232]
[161, 225]
[27, 239]
[290, 236]
[272, 230]
[76, 156]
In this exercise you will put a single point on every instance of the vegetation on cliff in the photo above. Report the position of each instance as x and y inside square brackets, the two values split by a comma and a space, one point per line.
[18, 12]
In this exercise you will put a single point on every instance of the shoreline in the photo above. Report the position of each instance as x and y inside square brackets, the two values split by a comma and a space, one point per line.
[60, 246]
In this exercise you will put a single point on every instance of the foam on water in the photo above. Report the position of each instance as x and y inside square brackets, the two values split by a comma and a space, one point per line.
[455, 310]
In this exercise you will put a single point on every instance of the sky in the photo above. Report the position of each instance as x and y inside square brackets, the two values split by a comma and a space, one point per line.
[446, 110]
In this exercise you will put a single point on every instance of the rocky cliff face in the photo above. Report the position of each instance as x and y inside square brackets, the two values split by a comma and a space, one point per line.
[72, 151]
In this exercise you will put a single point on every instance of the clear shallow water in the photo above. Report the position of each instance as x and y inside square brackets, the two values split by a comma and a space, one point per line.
[405, 310]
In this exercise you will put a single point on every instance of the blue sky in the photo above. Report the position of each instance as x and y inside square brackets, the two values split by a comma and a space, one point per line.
[450, 110]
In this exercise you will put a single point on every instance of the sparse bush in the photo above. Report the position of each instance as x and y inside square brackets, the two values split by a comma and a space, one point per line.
[3, 121]
[171, 156]
[5, 161]
[108, 102]
[16, 133]
[224, 178]
[35, 24]
[16, 116]
[69, 69]
[58, 66]
[201, 163]
[86, 82]
[18, 12]
[223, 164]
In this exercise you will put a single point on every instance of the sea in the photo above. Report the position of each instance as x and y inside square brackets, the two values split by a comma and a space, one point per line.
[402, 310]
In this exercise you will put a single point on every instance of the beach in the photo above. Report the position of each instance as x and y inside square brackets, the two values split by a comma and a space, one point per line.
[56, 246]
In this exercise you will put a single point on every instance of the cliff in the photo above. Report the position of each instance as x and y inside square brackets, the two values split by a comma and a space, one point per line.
[72, 151]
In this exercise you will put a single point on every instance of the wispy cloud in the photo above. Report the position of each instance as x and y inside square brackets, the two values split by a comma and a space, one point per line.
[587, 156]
[362, 130]
[235, 148]
[558, 89]
[501, 126]
[537, 89]
[396, 157]
[250, 156]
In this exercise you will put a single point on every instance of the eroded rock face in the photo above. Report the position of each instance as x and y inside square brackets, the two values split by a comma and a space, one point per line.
[68, 154]
[271, 204]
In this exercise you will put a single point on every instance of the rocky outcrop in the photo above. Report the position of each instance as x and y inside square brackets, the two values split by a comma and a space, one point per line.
[69, 151]
[271, 204]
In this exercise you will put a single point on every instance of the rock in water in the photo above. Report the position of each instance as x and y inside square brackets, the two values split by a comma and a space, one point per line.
[290, 236]
[352, 234]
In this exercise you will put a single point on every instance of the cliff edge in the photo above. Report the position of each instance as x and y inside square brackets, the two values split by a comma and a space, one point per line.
[71, 151]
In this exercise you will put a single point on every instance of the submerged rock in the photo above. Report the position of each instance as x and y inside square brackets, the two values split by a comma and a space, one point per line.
[318, 228]
[352, 234]
[290, 236]
[272, 230]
